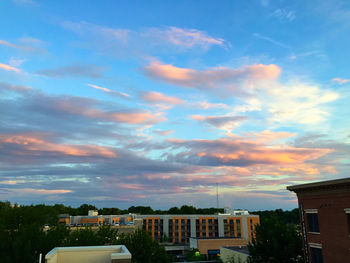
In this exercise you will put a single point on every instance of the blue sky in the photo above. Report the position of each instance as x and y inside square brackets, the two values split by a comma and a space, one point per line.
[120, 103]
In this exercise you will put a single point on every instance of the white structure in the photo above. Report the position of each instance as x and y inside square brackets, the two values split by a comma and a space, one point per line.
[229, 211]
[89, 254]
[93, 213]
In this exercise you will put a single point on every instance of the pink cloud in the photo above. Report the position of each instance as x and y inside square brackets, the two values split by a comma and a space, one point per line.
[98, 87]
[129, 117]
[207, 105]
[137, 117]
[9, 68]
[340, 81]
[187, 38]
[121, 94]
[42, 191]
[12, 182]
[267, 136]
[163, 133]
[34, 144]
[212, 77]
[131, 186]
[26, 44]
[240, 152]
[8, 44]
[157, 97]
[97, 32]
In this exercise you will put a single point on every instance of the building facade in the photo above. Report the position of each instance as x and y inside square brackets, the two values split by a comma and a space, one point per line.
[95, 220]
[325, 220]
[178, 229]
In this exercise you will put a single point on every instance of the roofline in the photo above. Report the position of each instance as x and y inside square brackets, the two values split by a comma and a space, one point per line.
[319, 184]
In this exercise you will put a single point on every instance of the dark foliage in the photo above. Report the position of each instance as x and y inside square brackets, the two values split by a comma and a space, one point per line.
[143, 248]
[285, 216]
[276, 242]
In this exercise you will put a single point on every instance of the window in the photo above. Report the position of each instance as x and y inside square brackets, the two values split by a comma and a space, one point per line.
[316, 255]
[312, 219]
[238, 223]
[347, 212]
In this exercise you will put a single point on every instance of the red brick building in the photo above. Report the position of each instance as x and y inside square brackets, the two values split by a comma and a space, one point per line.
[325, 220]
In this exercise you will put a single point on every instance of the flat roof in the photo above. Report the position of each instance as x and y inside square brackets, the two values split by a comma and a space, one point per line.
[208, 238]
[240, 249]
[320, 184]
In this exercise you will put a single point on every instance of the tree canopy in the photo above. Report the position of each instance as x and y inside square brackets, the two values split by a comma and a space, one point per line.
[276, 242]
[143, 248]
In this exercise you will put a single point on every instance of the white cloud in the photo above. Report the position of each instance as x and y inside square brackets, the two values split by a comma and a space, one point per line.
[299, 103]
[284, 14]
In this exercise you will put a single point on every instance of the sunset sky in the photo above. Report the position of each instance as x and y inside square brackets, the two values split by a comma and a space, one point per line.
[120, 103]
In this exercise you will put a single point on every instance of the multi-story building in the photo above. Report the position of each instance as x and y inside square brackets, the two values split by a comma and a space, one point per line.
[178, 229]
[325, 220]
[95, 219]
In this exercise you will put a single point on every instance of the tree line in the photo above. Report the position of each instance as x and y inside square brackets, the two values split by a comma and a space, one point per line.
[23, 235]
[146, 210]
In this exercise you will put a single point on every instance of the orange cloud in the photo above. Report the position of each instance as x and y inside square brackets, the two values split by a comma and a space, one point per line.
[131, 186]
[137, 117]
[267, 136]
[163, 133]
[9, 68]
[340, 81]
[12, 182]
[109, 91]
[210, 78]
[265, 155]
[239, 152]
[157, 97]
[35, 143]
[43, 191]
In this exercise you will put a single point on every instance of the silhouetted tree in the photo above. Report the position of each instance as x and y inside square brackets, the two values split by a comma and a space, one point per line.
[145, 210]
[84, 209]
[275, 242]
[143, 248]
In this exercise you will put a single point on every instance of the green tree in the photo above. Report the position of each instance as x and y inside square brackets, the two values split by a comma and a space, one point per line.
[106, 235]
[275, 242]
[84, 209]
[82, 237]
[145, 210]
[174, 211]
[111, 211]
[56, 236]
[21, 231]
[143, 248]
[188, 210]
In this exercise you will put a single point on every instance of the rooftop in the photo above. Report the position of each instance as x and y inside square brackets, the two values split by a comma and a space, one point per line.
[89, 254]
[240, 249]
[216, 238]
[320, 185]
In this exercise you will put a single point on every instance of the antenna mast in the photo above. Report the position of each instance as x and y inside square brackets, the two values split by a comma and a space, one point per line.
[217, 196]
